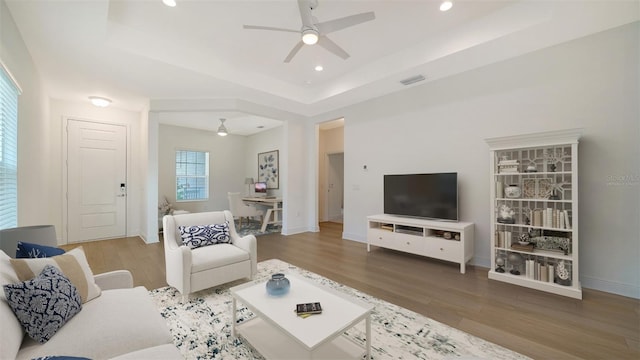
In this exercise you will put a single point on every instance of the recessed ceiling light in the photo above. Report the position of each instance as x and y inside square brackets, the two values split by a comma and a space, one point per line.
[171, 3]
[319, 68]
[446, 5]
[100, 101]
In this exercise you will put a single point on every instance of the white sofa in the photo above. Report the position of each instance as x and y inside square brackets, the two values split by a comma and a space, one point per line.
[190, 270]
[121, 323]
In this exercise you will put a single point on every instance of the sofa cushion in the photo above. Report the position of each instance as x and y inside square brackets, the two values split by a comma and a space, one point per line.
[73, 265]
[29, 250]
[117, 322]
[45, 303]
[161, 352]
[223, 254]
[196, 236]
[12, 331]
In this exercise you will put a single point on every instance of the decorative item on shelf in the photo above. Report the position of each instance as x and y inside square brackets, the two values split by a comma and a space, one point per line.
[512, 191]
[553, 195]
[531, 169]
[446, 235]
[553, 157]
[537, 188]
[563, 276]
[523, 239]
[552, 243]
[278, 285]
[165, 207]
[522, 247]
[515, 260]
[500, 264]
[456, 236]
[505, 215]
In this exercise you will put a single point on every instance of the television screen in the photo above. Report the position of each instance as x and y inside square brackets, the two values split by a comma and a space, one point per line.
[432, 196]
[261, 187]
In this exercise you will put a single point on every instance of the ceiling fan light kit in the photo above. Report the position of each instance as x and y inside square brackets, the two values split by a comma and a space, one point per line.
[314, 32]
[222, 130]
[310, 36]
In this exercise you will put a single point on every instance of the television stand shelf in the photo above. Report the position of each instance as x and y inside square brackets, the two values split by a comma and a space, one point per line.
[450, 241]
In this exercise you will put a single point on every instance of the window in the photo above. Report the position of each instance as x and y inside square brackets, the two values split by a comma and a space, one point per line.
[192, 175]
[9, 92]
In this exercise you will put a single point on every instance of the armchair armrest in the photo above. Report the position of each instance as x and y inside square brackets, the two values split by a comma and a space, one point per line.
[249, 244]
[119, 279]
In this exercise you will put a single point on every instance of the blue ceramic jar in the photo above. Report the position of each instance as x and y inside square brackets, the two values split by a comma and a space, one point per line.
[278, 285]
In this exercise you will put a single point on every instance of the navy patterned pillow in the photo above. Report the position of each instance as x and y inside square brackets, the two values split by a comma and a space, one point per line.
[204, 235]
[29, 250]
[45, 303]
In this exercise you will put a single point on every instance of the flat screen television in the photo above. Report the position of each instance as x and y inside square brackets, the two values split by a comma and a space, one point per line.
[260, 188]
[430, 196]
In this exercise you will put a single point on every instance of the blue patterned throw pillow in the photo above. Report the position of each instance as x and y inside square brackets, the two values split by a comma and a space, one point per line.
[29, 250]
[204, 235]
[44, 304]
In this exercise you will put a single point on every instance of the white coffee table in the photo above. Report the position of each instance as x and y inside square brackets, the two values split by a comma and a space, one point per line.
[278, 333]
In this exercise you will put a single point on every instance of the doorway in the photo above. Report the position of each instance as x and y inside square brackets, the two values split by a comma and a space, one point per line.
[330, 188]
[96, 181]
[335, 187]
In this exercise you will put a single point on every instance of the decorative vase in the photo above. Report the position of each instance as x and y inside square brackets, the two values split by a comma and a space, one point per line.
[512, 191]
[278, 285]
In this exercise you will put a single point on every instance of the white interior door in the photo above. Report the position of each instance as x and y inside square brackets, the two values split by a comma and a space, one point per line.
[96, 181]
[335, 185]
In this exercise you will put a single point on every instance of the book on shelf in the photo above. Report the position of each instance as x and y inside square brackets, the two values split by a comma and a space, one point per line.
[522, 247]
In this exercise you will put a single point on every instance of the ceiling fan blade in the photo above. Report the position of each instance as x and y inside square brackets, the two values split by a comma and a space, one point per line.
[257, 27]
[294, 51]
[330, 26]
[305, 13]
[328, 44]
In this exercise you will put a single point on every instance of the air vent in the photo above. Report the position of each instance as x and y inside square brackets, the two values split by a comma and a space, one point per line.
[411, 80]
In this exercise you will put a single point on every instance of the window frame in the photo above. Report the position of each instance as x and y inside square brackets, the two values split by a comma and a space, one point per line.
[9, 98]
[187, 163]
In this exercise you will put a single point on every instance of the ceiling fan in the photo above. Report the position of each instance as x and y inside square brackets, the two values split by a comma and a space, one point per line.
[316, 32]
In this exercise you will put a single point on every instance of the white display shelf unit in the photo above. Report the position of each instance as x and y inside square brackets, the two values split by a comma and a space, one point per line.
[546, 172]
[422, 237]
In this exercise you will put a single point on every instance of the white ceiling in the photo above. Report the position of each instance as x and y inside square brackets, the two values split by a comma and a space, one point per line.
[138, 51]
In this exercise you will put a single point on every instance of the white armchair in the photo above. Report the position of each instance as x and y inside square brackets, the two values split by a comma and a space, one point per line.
[240, 209]
[190, 270]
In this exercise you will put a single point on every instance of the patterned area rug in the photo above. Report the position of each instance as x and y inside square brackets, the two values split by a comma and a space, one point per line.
[201, 328]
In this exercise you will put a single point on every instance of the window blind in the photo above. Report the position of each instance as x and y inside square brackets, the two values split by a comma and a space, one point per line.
[8, 151]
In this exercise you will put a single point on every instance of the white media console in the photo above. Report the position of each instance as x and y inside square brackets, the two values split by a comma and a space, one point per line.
[422, 237]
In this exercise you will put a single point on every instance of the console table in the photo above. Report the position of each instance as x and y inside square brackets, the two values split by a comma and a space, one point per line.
[450, 241]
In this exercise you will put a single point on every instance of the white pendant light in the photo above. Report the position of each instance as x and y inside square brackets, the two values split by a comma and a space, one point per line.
[222, 130]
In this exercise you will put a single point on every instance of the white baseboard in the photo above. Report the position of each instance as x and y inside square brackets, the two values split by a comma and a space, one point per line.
[614, 287]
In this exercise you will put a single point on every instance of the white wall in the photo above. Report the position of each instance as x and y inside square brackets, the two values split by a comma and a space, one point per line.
[33, 126]
[589, 83]
[62, 110]
[226, 165]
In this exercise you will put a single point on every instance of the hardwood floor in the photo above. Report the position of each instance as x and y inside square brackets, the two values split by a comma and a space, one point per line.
[534, 323]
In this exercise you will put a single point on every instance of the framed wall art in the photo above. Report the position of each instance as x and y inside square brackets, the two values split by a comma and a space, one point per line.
[269, 169]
